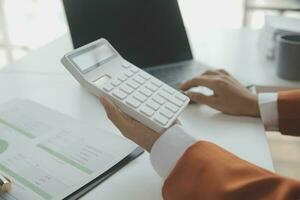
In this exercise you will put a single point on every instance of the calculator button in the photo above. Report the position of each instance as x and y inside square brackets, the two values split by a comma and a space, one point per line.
[170, 98]
[161, 119]
[165, 95]
[145, 76]
[145, 91]
[122, 78]
[139, 80]
[151, 87]
[176, 102]
[156, 82]
[108, 87]
[126, 65]
[119, 94]
[152, 104]
[168, 114]
[126, 89]
[181, 97]
[171, 107]
[169, 90]
[132, 84]
[147, 111]
[133, 103]
[115, 83]
[158, 99]
[140, 97]
[128, 73]
[134, 69]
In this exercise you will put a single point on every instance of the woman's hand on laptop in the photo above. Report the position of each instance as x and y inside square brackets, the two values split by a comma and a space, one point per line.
[129, 127]
[230, 96]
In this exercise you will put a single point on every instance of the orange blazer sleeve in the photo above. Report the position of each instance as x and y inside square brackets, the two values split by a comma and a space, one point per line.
[289, 112]
[208, 172]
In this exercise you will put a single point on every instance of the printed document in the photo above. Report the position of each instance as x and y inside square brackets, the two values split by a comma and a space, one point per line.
[48, 155]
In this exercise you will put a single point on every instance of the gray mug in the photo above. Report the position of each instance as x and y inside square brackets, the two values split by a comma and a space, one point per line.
[288, 56]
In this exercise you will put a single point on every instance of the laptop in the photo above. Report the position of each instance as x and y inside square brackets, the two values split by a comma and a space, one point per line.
[150, 34]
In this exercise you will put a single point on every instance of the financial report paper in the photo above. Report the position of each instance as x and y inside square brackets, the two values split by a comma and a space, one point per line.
[48, 155]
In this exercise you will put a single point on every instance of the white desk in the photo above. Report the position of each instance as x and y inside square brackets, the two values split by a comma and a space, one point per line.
[41, 77]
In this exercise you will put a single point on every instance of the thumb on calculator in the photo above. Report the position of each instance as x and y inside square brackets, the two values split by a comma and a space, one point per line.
[129, 127]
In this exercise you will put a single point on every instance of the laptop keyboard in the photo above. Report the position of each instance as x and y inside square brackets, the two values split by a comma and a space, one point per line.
[175, 75]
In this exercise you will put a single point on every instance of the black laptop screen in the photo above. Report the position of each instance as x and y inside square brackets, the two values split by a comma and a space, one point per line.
[145, 32]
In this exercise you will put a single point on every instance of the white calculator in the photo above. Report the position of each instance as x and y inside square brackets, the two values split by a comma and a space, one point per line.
[102, 71]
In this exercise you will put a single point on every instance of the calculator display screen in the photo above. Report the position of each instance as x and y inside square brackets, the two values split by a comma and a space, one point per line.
[92, 57]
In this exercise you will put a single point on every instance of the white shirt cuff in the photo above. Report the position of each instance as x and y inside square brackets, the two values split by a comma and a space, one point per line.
[268, 110]
[168, 149]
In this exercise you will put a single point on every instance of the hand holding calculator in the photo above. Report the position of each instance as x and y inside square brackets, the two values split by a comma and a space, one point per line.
[102, 71]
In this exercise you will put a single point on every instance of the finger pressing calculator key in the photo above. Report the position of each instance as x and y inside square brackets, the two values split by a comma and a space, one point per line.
[103, 72]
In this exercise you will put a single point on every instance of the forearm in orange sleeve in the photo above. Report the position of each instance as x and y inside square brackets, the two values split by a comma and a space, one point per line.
[208, 172]
[289, 112]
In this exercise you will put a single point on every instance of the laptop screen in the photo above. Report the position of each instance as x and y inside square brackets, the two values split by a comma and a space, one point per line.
[145, 32]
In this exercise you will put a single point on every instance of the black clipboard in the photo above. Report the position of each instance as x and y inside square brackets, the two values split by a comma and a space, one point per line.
[94, 183]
